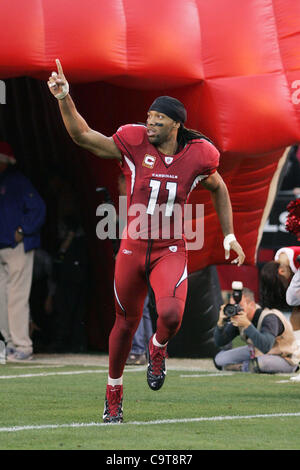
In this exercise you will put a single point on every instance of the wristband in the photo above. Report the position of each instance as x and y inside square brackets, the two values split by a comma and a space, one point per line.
[227, 240]
[65, 88]
[64, 93]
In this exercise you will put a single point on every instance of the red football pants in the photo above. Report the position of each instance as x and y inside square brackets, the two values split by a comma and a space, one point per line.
[164, 264]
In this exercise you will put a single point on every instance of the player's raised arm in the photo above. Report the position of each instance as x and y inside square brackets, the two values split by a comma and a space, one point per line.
[221, 200]
[77, 127]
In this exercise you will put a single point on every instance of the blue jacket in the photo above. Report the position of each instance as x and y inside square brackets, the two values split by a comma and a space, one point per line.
[20, 206]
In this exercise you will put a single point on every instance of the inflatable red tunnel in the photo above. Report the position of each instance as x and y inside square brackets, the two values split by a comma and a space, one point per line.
[235, 64]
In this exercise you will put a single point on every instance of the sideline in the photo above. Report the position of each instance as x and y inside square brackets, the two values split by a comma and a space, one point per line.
[147, 423]
[102, 371]
[217, 374]
[73, 372]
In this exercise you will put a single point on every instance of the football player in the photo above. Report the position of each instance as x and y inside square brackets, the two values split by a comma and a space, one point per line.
[162, 162]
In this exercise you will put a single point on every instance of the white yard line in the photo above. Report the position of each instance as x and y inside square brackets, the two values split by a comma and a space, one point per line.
[204, 374]
[25, 367]
[74, 372]
[47, 374]
[101, 371]
[220, 374]
[147, 423]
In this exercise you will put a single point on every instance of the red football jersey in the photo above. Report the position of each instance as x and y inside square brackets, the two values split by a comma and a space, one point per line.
[158, 185]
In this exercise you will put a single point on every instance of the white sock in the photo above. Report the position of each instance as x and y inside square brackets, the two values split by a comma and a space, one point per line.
[114, 382]
[157, 344]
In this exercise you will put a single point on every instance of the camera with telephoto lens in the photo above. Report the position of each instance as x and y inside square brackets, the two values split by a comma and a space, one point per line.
[230, 310]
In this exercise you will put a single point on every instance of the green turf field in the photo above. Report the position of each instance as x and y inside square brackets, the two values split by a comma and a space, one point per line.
[60, 407]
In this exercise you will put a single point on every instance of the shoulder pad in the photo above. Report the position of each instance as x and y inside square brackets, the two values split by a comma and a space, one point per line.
[133, 134]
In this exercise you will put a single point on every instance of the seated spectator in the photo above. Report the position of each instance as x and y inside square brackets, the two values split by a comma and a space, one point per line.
[271, 344]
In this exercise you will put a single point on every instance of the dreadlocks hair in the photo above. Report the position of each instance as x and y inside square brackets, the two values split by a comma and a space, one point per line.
[273, 287]
[184, 135]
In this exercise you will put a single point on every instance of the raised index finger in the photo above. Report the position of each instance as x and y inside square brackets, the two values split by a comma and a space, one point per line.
[59, 67]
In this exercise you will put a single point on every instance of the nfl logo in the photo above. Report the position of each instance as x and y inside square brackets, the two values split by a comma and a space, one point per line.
[168, 160]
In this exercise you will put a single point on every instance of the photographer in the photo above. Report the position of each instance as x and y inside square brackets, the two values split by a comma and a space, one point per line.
[271, 345]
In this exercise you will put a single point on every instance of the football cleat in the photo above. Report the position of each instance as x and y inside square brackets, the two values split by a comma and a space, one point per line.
[113, 408]
[156, 371]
